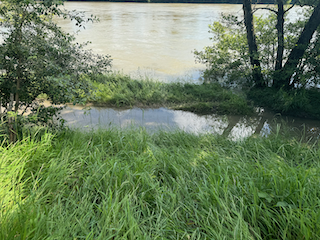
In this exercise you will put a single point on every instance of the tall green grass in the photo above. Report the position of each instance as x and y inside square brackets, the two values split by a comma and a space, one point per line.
[115, 184]
[118, 90]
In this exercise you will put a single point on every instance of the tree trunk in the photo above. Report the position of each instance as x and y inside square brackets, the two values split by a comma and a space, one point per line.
[16, 107]
[253, 49]
[279, 27]
[12, 132]
[297, 52]
[16, 96]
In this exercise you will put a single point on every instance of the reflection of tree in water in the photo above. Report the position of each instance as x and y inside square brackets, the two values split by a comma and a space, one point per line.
[261, 122]
[256, 123]
[232, 122]
[233, 127]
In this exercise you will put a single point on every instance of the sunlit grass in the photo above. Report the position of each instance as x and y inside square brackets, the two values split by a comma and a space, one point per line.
[114, 184]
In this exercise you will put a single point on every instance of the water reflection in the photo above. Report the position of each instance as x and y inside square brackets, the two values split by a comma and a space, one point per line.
[233, 127]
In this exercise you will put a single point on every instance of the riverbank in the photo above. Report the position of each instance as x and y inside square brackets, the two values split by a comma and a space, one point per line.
[118, 90]
[117, 184]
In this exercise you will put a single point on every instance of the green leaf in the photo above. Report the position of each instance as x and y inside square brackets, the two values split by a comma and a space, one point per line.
[282, 204]
[265, 196]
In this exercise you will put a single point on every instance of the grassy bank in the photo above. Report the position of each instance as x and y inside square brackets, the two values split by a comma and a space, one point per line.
[116, 90]
[297, 102]
[116, 184]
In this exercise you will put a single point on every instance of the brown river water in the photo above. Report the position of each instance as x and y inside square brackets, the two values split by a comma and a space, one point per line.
[151, 40]
[157, 41]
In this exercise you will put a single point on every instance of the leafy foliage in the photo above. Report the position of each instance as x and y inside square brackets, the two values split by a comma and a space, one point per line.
[228, 58]
[37, 57]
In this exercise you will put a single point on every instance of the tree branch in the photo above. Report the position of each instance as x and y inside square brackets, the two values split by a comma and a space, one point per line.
[265, 8]
[289, 8]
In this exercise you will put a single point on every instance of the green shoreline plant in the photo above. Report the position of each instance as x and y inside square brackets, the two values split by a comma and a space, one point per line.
[128, 184]
[118, 90]
[38, 57]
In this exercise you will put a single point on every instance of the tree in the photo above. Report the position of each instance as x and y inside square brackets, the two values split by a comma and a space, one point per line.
[288, 52]
[283, 76]
[280, 13]
[252, 45]
[299, 50]
[228, 59]
[36, 56]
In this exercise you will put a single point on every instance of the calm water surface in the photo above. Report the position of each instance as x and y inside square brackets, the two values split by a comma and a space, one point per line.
[234, 127]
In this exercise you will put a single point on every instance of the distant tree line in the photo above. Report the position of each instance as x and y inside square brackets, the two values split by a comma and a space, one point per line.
[181, 1]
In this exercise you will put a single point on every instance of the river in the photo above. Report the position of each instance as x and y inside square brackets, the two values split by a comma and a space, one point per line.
[156, 41]
[151, 40]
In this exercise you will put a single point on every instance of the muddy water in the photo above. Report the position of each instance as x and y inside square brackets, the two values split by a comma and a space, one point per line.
[234, 127]
[154, 40]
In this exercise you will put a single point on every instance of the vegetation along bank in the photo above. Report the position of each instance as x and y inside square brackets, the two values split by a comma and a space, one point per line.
[128, 184]
[118, 90]
[115, 184]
